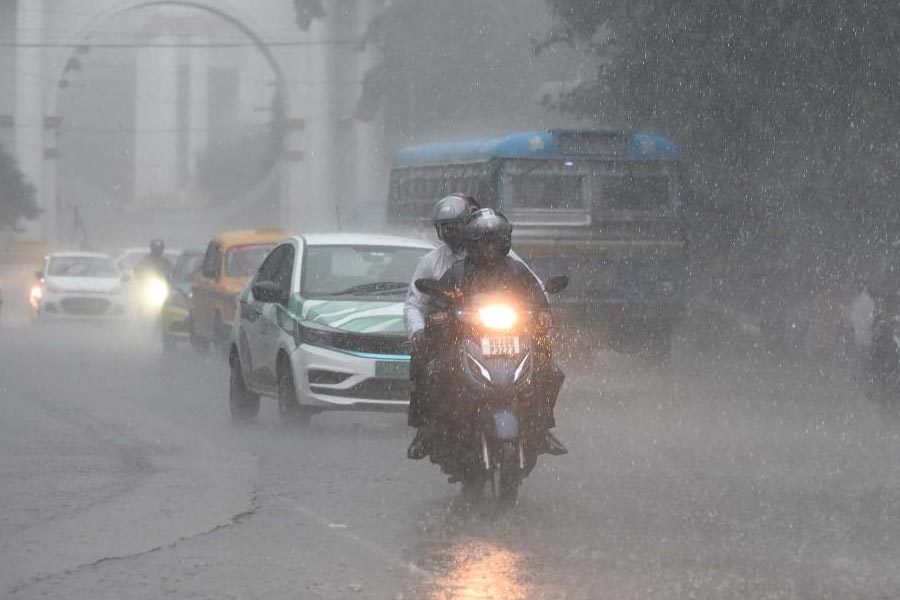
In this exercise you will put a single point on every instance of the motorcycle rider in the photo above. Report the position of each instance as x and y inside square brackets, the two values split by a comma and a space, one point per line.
[154, 263]
[488, 266]
[448, 217]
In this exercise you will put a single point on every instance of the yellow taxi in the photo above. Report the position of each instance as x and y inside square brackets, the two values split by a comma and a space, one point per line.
[229, 263]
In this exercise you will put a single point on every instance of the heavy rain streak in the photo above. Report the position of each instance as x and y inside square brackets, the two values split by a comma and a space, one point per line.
[421, 299]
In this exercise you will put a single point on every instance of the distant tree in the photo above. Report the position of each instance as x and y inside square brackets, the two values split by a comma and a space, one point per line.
[780, 104]
[17, 194]
[445, 64]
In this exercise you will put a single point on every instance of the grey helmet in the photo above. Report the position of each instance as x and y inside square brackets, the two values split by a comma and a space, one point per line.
[156, 247]
[449, 217]
[488, 236]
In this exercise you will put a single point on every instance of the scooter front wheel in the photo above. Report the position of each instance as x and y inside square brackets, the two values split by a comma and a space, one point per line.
[505, 478]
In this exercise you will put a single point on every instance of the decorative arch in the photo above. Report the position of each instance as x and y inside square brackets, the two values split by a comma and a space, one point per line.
[271, 187]
[224, 10]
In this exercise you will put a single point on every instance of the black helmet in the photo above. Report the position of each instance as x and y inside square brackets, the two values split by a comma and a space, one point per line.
[488, 236]
[156, 247]
[449, 215]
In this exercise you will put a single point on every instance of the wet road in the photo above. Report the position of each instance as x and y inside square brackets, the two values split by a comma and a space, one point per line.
[122, 478]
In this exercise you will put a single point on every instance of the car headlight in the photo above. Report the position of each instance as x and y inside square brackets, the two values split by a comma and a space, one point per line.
[498, 316]
[36, 295]
[314, 336]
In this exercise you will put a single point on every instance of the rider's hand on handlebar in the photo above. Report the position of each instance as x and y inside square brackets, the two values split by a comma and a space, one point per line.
[417, 342]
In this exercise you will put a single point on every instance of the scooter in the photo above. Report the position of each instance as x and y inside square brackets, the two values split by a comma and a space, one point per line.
[487, 426]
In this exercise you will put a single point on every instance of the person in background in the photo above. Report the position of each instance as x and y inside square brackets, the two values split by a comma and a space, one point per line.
[154, 263]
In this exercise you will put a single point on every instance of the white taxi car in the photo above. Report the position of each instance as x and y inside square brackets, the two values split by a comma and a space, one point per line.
[77, 285]
[320, 327]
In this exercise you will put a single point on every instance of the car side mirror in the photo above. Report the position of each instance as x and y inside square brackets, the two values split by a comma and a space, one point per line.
[557, 284]
[269, 292]
[39, 274]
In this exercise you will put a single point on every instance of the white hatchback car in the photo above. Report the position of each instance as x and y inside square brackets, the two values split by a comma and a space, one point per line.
[78, 285]
[320, 327]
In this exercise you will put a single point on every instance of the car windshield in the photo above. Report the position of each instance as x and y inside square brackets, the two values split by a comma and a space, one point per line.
[358, 270]
[130, 260]
[188, 266]
[81, 266]
[243, 261]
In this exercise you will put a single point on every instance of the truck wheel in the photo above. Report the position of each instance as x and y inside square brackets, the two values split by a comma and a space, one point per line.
[243, 403]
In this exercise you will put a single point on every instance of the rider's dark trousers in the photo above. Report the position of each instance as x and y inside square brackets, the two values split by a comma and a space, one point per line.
[418, 382]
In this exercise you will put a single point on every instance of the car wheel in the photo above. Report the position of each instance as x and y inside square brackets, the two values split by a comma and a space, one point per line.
[289, 409]
[220, 336]
[198, 343]
[167, 342]
[243, 403]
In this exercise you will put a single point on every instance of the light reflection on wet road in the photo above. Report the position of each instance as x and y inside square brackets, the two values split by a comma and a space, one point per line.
[476, 569]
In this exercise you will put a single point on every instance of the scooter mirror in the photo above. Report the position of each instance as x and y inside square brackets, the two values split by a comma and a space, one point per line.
[557, 284]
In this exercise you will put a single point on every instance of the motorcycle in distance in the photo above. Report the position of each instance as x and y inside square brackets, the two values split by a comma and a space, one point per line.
[486, 420]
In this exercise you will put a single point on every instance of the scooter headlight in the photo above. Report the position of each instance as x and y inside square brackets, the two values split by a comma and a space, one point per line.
[498, 316]
[154, 294]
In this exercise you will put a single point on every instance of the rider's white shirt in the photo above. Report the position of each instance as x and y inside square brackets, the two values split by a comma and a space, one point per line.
[432, 266]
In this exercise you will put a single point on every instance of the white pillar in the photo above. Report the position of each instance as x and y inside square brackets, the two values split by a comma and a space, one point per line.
[371, 158]
[297, 160]
[321, 115]
[29, 112]
[198, 98]
[156, 120]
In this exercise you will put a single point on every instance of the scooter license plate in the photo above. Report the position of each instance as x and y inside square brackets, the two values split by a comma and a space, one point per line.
[507, 345]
